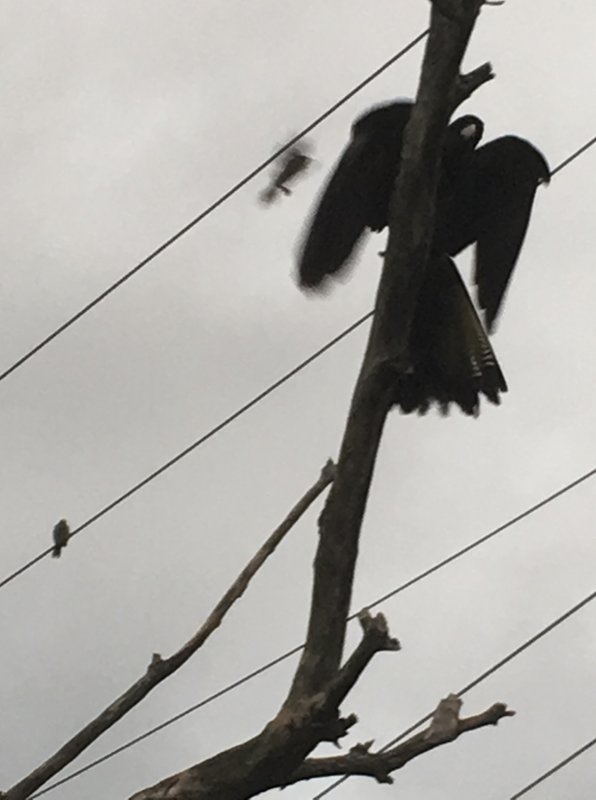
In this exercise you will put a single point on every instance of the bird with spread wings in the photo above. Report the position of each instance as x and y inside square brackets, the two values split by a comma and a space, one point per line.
[485, 198]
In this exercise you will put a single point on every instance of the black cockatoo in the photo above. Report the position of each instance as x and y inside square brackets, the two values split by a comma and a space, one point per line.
[485, 197]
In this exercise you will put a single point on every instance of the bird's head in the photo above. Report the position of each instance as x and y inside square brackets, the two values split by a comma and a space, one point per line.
[465, 130]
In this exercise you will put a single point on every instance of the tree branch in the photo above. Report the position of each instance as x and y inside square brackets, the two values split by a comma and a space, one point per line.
[261, 763]
[310, 714]
[466, 85]
[320, 713]
[266, 760]
[380, 765]
[410, 232]
[159, 668]
[375, 639]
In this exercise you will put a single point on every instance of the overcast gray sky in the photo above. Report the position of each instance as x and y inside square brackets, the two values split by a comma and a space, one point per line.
[122, 120]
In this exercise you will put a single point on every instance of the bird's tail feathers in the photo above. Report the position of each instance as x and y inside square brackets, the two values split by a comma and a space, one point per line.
[451, 358]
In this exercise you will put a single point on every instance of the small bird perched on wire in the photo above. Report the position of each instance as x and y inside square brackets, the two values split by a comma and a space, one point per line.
[61, 535]
[291, 164]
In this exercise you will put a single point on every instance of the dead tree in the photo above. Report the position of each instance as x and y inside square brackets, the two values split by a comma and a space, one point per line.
[280, 754]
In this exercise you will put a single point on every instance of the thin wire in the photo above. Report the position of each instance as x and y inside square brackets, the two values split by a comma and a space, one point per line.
[222, 425]
[245, 407]
[513, 654]
[556, 768]
[249, 676]
[164, 724]
[477, 542]
[573, 156]
[222, 199]
[197, 443]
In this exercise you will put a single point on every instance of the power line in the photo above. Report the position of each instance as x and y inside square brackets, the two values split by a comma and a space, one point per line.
[253, 402]
[477, 542]
[206, 212]
[573, 156]
[167, 723]
[265, 667]
[271, 388]
[556, 768]
[197, 443]
[224, 197]
[482, 677]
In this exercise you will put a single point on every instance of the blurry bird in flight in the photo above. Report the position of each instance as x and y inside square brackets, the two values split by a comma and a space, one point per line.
[290, 165]
[484, 197]
[61, 534]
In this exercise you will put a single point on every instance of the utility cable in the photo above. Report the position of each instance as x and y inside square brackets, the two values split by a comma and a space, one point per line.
[206, 212]
[580, 751]
[482, 677]
[197, 443]
[265, 667]
[220, 426]
[573, 156]
[257, 399]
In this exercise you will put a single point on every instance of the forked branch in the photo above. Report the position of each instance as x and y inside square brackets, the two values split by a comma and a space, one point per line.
[445, 727]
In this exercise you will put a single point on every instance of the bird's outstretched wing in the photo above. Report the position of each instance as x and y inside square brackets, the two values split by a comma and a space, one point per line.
[338, 221]
[356, 195]
[493, 208]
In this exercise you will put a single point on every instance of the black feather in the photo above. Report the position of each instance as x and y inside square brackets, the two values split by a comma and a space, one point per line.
[451, 359]
[485, 196]
[492, 207]
[357, 194]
